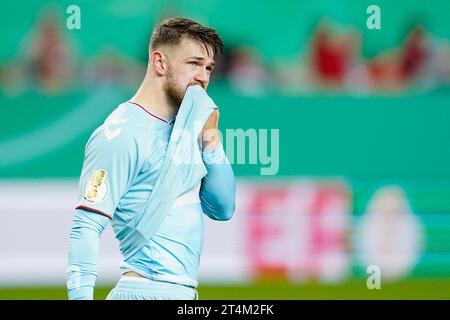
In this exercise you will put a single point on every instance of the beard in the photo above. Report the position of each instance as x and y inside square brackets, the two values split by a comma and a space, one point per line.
[173, 92]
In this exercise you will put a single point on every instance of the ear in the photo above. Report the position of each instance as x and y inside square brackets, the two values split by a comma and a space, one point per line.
[158, 62]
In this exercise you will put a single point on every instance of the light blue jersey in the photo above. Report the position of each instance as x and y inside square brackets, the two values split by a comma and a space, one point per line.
[122, 162]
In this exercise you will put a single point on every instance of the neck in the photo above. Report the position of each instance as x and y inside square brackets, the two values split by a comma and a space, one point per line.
[152, 97]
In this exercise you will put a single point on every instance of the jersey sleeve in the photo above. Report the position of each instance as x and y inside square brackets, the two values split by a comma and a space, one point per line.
[83, 256]
[218, 187]
[110, 165]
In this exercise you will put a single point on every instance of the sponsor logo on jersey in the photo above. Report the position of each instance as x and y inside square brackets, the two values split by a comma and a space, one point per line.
[96, 188]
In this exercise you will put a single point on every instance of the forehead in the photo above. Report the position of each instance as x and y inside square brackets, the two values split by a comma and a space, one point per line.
[188, 47]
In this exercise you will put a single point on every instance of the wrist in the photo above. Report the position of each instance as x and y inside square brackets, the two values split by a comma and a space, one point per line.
[215, 156]
[81, 293]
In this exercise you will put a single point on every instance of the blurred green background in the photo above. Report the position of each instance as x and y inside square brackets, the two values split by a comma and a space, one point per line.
[376, 115]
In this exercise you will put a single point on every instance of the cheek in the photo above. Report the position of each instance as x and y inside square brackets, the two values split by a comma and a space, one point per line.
[187, 72]
[177, 78]
[183, 76]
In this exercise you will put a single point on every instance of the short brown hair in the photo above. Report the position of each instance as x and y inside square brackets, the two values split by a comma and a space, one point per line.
[170, 31]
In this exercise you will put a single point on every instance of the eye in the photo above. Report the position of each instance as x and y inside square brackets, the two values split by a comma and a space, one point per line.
[194, 63]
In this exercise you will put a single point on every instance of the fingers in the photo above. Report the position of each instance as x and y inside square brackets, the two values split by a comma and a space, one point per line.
[215, 115]
[212, 122]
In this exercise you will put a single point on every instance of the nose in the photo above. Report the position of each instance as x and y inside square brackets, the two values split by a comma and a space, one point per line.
[202, 77]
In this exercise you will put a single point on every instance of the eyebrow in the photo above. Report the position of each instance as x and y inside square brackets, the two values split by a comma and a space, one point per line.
[201, 58]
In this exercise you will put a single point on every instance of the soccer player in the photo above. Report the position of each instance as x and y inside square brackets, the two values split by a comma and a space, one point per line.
[123, 158]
